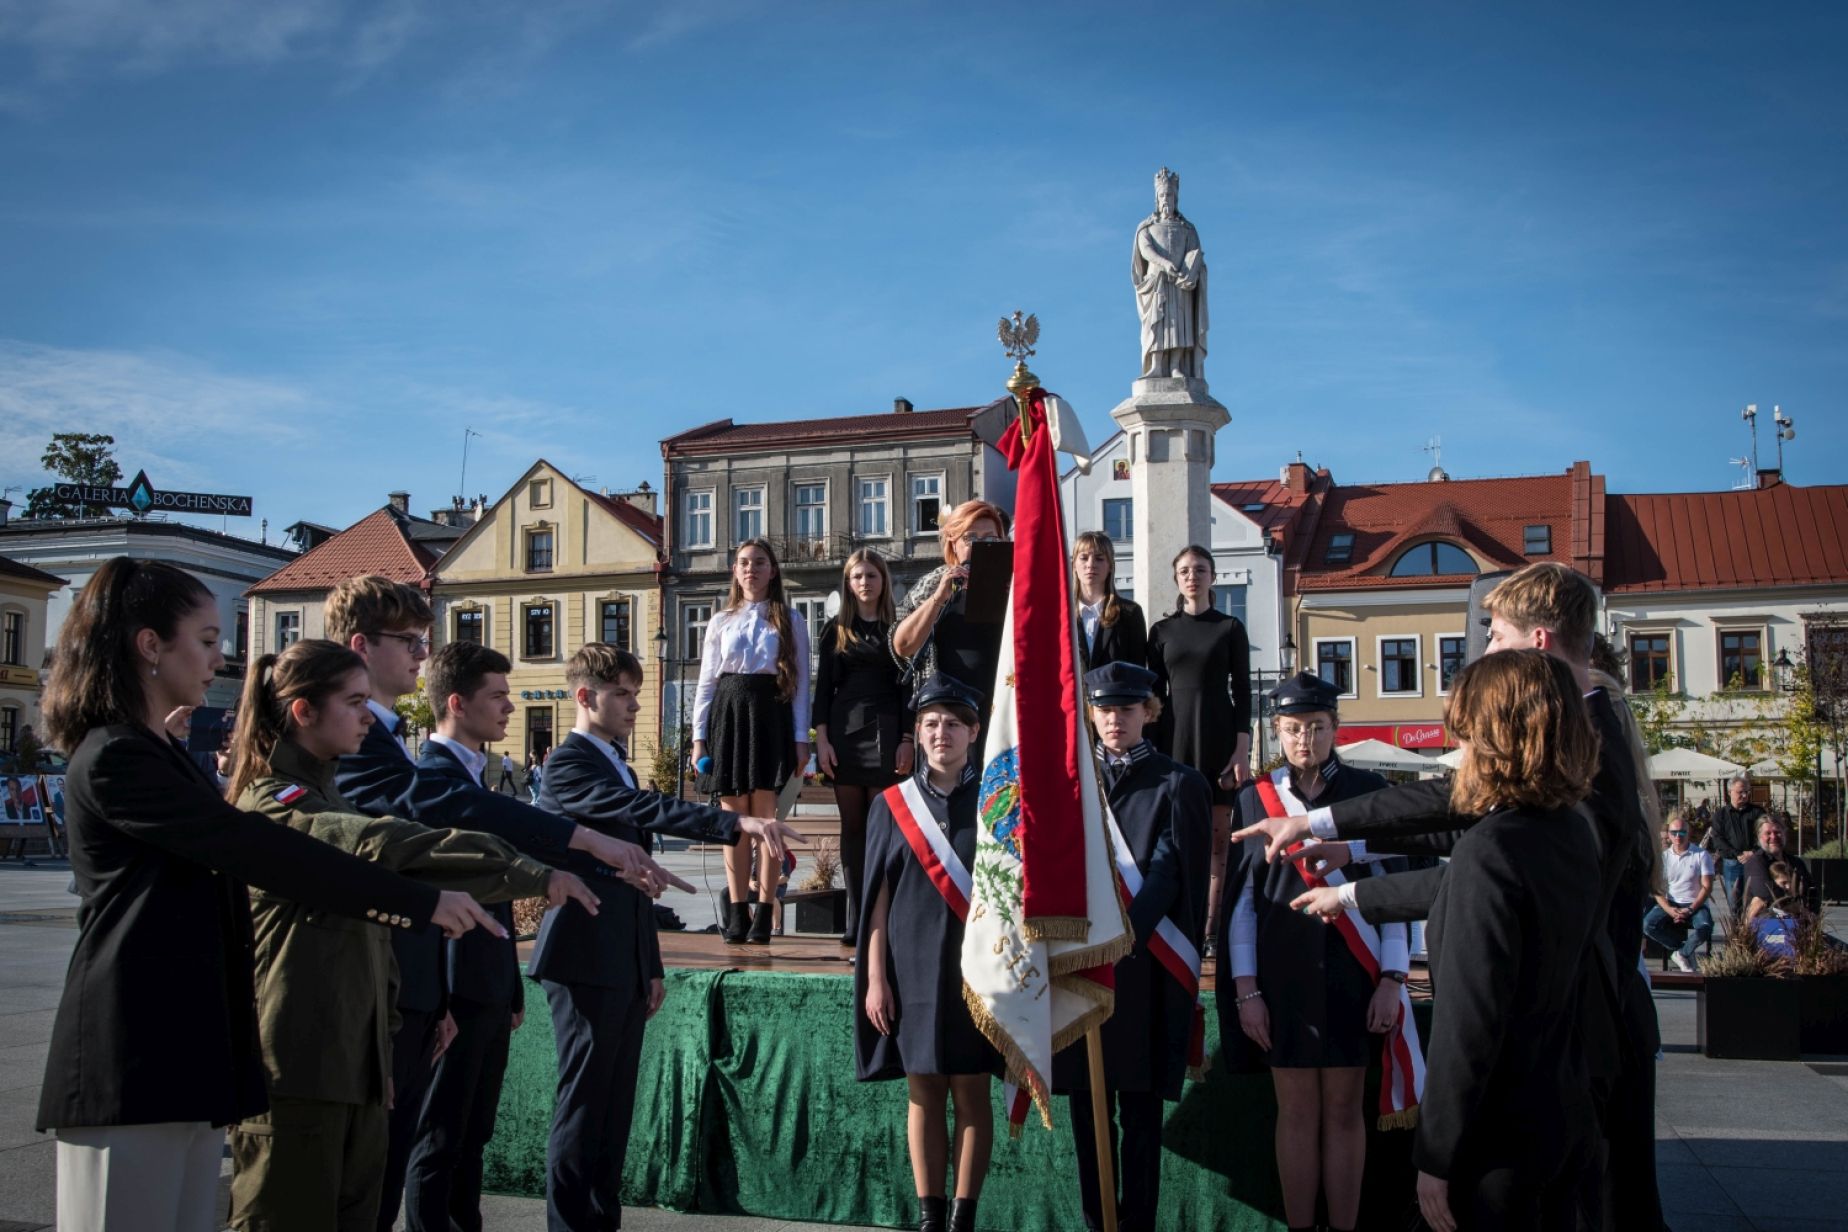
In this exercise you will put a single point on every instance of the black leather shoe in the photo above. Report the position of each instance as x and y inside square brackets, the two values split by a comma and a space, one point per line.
[962, 1215]
[737, 923]
[666, 920]
[760, 924]
[931, 1215]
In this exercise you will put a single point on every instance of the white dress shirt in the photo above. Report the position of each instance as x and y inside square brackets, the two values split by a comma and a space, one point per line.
[614, 753]
[1090, 615]
[473, 760]
[742, 641]
[393, 724]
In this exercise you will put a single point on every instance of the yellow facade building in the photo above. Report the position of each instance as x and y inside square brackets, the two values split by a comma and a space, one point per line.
[547, 568]
[25, 595]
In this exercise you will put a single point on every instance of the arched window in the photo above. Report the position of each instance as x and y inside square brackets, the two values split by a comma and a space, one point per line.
[1433, 558]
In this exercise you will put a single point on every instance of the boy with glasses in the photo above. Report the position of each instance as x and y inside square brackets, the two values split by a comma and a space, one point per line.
[1681, 921]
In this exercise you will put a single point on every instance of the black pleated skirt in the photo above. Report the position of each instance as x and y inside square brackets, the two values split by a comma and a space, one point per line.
[752, 735]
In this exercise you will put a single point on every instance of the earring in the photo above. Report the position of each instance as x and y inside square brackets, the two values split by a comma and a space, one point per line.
[155, 670]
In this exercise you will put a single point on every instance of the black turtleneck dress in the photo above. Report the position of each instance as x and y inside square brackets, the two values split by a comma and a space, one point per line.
[1204, 665]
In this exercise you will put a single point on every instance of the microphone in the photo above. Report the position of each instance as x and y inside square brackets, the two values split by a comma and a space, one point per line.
[703, 765]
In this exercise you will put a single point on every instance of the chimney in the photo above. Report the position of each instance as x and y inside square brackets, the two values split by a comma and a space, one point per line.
[1768, 477]
[1295, 477]
[6, 507]
[401, 501]
[643, 498]
[901, 406]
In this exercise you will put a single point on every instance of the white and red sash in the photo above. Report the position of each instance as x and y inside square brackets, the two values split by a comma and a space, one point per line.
[1403, 1067]
[1168, 945]
[930, 845]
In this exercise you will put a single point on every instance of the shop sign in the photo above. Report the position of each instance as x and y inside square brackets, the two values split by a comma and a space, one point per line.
[142, 497]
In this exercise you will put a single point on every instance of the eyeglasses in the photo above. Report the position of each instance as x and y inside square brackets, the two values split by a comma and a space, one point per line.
[412, 641]
[1677, 834]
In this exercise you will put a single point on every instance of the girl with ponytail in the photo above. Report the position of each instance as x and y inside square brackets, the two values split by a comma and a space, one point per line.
[751, 715]
[152, 1049]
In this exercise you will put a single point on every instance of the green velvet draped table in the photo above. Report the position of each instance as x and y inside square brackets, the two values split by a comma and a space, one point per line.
[747, 1104]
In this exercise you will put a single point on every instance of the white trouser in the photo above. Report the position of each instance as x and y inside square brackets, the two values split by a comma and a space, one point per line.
[148, 1178]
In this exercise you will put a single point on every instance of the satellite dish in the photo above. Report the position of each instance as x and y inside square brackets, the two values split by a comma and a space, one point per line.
[833, 606]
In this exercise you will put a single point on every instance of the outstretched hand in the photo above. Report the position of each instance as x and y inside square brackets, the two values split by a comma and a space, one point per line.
[778, 836]
[562, 887]
[1324, 901]
[1321, 859]
[457, 912]
[1277, 833]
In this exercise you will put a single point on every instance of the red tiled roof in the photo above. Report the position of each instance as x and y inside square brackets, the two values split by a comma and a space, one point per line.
[643, 523]
[1280, 504]
[724, 436]
[1487, 517]
[26, 573]
[377, 543]
[1775, 536]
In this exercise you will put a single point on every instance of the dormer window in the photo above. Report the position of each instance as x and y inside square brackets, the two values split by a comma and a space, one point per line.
[1434, 559]
[1340, 548]
[1537, 540]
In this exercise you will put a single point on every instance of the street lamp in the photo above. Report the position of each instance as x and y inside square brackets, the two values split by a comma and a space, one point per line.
[1288, 651]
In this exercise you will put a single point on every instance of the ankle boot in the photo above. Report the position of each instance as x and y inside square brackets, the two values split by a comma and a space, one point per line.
[930, 1214]
[737, 923]
[760, 924]
[962, 1215]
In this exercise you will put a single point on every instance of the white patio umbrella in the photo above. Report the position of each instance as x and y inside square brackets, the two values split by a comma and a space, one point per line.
[1679, 764]
[1770, 769]
[1378, 755]
[1453, 758]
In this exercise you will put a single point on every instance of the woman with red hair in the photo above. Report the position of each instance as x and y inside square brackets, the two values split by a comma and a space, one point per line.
[933, 633]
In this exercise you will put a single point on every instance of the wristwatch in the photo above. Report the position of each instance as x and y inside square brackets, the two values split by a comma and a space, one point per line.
[1397, 977]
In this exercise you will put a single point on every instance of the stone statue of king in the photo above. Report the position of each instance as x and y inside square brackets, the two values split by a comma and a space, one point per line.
[1169, 271]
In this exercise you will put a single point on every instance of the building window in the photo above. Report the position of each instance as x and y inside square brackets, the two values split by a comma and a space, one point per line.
[9, 728]
[694, 618]
[13, 639]
[538, 731]
[243, 633]
[1649, 666]
[1399, 665]
[1118, 519]
[812, 511]
[539, 494]
[699, 520]
[538, 630]
[1537, 540]
[1340, 548]
[1742, 659]
[814, 613]
[926, 503]
[1334, 662]
[288, 630]
[469, 626]
[748, 504]
[539, 551]
[614, 623]
[1230, 599]
[1451, 651]
[875, 502]
[1433, 559]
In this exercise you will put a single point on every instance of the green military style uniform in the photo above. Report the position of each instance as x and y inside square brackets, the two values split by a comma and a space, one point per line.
[326, 1005]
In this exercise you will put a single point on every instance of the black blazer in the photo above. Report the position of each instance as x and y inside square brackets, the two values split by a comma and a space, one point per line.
[158, 1018]
[1126, 641]
[1506, 1084]
[377, 781]
[619, 946]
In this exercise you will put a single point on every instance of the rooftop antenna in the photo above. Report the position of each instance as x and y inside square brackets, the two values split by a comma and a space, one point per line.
[1786, 431]
[1435, 447]
[1748, 474]
[466, 433]
[1750, 415]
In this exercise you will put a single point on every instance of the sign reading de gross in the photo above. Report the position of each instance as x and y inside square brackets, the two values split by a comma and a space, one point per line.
[1399, 735]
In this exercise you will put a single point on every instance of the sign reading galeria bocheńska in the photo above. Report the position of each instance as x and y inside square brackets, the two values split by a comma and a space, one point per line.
[142, 497]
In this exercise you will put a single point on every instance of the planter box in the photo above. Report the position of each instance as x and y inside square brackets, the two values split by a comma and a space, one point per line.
[1751, 1018]
[818, 911]
[1824, 1014]
[1830, 874]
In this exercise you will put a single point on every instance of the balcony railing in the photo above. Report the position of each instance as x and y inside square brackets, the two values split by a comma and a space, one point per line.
[813, 549]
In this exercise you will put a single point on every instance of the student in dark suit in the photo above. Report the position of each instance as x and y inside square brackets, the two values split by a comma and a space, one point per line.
[602, 975]
[1165, 813]
[155, 1047]
[1548, 607]
[387, 624]
[1113, 628]
[467, 685]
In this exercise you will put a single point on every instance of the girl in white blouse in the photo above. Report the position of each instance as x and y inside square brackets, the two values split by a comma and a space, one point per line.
[751, 715]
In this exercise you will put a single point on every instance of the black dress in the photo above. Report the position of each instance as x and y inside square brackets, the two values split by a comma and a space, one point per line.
[859, 698]
[1204, 666]
[959, 647]
[1125, 641]
[1315, 989]
[934, 1033]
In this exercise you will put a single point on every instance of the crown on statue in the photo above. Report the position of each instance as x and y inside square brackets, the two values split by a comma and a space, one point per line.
[1167, 178]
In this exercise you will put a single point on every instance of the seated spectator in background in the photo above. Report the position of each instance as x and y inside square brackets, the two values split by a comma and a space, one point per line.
[1762, 890]
[1681, 920]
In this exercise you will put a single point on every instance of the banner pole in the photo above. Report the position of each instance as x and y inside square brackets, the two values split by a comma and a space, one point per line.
[1100, 1124]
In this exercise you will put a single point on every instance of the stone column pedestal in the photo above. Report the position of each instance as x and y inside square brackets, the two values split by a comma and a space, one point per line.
[1170, 422]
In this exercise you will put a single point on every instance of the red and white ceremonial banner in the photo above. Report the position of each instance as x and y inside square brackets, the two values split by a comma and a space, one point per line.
[1046, 924]
[1402, 1060]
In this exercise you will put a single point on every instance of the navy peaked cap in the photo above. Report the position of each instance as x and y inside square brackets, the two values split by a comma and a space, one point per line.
[1118, 684]
[942, 690]
[1303, 692]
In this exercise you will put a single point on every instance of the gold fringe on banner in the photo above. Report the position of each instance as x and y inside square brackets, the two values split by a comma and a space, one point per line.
[1056, 928]
[1106, 955]
[1405, 1118]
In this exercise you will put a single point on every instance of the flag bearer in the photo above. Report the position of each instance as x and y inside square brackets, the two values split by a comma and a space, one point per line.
[910, 1018]
[1163, 813]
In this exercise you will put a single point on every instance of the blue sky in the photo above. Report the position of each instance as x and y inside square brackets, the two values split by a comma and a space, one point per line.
[293, 249]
